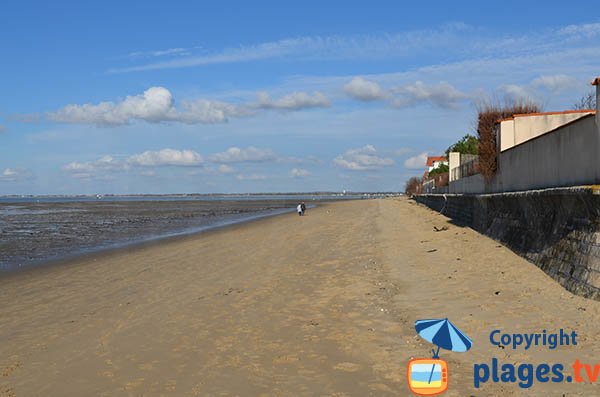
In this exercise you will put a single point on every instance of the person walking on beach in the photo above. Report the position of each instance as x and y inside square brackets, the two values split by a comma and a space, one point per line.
[303, 207]
[300, 211]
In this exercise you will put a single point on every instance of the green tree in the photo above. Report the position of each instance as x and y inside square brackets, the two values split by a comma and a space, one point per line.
[468, 144]
[439, 170]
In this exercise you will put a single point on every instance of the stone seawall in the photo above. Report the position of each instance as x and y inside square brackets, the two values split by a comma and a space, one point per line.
[556, 229]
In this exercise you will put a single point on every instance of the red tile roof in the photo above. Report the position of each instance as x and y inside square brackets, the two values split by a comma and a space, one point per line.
[551, 113]
[548, 113]
[596, 81]
[431, 159]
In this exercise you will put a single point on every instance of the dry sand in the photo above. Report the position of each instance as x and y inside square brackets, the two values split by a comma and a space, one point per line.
[318, 305]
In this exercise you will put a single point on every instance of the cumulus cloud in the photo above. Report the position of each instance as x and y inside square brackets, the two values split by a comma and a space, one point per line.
[555, 83]
[157, 105]
[365, 90]
[106, 164]
[239, 155]
[154, 105]
[250, 177]
[225, 169]
[416, 162]
[166, 157]
[15, 174]
[299, 173]
[85, 169]
[208, 111]
[293, 101]
[518, 92]
[442, 94]
[362, 159]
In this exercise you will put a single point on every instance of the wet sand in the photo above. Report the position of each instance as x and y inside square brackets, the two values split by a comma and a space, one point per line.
[318, 305]
[33, 232]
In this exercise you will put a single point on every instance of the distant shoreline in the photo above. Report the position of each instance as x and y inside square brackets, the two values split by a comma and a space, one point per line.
[226, 196]
[66, 249]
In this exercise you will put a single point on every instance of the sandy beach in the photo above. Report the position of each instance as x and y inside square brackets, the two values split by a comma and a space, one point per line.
[318, 305]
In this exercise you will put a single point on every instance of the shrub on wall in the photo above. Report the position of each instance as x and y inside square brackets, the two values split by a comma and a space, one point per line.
[488, 115]
[413, 186]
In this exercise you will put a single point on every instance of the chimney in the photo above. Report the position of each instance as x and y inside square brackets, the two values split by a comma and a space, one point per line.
[596, 82]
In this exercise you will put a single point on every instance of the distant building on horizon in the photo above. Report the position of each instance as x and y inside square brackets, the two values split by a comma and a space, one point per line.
[434, 162]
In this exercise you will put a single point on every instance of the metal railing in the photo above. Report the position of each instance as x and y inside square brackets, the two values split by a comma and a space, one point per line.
[466, 169]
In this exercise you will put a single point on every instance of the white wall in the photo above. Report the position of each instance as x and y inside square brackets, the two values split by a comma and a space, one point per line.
[568, 156]
[525, 127]
[454, 161]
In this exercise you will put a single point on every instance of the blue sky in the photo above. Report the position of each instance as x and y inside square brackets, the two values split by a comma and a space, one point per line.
[151, 97]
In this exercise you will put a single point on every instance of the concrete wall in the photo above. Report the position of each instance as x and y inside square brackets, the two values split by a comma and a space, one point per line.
[556, 229]
[453, 162]
[568, 156]
[470, 185]
[506, 137]
[522, 128]
[565, 157]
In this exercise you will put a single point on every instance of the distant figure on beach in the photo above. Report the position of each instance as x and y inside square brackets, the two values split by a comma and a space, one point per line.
[303, 207]
[300, 210]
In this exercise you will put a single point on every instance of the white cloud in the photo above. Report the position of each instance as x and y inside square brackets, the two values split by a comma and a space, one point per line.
[178, 51]
[82, 175]
[362, 159]
[15, 174]
[442, 94]
[208, 111]
[166, 157]
[416, 162]
[225, 169]
[293, 101]
[250, 177]
[556, 83]
[299, 173]
[238, 155]
[587, 30]
[518, 92]
[154, 105]
[365, 90]
[85, 169]
[370, 47]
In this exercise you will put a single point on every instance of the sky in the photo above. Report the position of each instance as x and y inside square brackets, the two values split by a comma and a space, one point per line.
[267, 96]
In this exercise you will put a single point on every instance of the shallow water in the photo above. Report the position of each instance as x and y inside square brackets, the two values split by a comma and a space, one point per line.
[32, 233]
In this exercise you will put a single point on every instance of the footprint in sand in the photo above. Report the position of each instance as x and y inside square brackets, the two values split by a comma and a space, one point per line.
[347, 367]
[287, 359]
[134, 383]
[7, 393]
[9, 369]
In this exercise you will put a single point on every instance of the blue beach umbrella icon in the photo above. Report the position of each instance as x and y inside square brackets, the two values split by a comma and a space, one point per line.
[443, 334]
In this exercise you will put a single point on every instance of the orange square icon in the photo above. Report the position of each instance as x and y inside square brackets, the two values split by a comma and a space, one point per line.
[427, 376]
